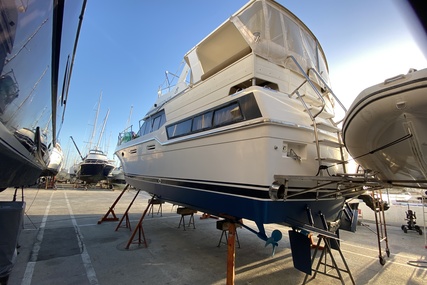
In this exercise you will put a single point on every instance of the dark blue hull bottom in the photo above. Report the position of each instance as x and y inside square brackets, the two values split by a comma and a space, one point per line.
[93, 173]
[16, 170]
[261, 211]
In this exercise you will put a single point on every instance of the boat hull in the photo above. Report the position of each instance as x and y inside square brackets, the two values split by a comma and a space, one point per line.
[239, 201]
[18, 167]
[37, 48]
[384, 130]
[93, 173]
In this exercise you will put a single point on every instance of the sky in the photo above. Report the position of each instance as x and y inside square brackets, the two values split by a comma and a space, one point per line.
[126, 46]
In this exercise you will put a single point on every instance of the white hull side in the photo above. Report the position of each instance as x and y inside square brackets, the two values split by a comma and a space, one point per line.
[383, 115]
[56, 160]
[250, 152]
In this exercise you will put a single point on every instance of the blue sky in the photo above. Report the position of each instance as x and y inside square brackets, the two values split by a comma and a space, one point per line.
[125, 47]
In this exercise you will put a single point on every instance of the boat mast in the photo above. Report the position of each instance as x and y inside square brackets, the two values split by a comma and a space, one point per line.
[129, 118]
[102, 130]
[95, 123]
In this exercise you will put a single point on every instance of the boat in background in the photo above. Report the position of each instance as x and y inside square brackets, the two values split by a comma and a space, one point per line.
[248, 130]
[95, 167]
[56, 161]
[117, 176]
[38, 45]
[385, 130]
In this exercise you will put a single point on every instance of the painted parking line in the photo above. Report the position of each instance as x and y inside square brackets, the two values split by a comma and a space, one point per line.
[90, 271]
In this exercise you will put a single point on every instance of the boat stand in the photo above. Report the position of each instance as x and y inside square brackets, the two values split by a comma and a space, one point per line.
[424, 202]
[139, 229]
[111, 209]
[322, 260]
[126, 216]
[380, 225]
[223, 225]
[156, 201]
[231, 253]
[186, 212]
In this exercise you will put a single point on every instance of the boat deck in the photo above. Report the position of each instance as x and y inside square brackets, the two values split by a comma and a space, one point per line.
[72, 248]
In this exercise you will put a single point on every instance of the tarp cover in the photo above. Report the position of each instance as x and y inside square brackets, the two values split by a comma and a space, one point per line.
[275, 33]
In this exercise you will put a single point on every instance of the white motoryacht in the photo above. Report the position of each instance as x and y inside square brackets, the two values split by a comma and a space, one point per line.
[249, 129]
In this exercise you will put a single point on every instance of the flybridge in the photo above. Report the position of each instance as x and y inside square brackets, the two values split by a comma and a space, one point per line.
[262, 27]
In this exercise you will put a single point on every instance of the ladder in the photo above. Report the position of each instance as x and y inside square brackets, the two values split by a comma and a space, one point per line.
[315, 107]
[380, 224]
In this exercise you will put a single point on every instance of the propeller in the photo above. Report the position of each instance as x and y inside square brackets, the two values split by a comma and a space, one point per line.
[276, 235]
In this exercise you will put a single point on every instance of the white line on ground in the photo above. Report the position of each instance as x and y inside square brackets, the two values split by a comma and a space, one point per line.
[29, 270]
[90, 271]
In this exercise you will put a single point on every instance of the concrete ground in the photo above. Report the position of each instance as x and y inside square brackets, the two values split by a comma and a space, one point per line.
[62, 243]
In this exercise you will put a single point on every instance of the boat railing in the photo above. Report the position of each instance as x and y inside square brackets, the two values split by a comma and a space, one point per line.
[321, 104]
[307, 79]
[329, 90]
[173, 82]
[127, 135]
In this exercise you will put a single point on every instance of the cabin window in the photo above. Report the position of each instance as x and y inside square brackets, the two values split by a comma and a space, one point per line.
[179, 129]
[145, 128]
[159, 120]
[214, 118]
[227, 115]
[202, 122]
[152, 123]
[156, 123]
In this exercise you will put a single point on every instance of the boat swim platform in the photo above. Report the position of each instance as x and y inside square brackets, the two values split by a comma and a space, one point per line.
[75, 249]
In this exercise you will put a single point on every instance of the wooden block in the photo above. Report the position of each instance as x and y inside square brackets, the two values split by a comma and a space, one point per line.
[185, 211]
[155, 201]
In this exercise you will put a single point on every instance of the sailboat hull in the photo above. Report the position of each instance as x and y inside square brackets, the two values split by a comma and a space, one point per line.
[18, 166]
[37, 48]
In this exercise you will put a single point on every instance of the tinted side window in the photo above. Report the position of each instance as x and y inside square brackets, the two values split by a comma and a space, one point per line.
[156, 123]
[179, 129]
[145, 128]
[228, 114]
[203, 121]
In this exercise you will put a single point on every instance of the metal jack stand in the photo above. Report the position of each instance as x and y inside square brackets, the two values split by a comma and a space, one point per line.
[139, 229]
[156, 202]
[186, 212]
[330, 243]
[125, 215]
[111, 209]
[223, 226]
[322, 260]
